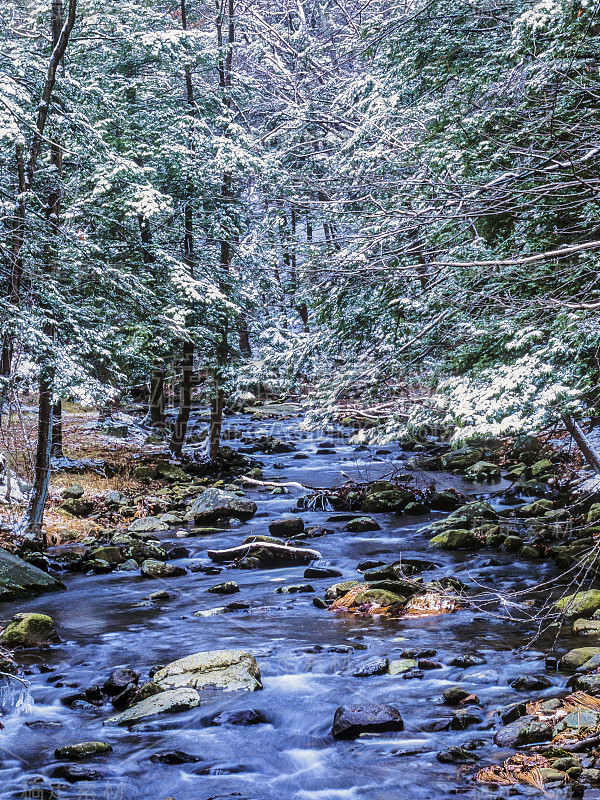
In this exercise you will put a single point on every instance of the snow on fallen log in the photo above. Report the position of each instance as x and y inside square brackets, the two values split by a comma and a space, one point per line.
[275, 552]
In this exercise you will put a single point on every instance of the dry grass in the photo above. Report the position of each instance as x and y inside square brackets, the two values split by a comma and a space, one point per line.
[18, 432]
[516, 769]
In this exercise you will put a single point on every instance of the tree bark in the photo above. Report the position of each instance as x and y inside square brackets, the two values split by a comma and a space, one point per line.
[185, 399]
[216, 423]
[56, 448]
[157, 398]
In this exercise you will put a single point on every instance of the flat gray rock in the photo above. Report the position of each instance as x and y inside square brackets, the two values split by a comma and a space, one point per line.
[20, 579]
[169, 702]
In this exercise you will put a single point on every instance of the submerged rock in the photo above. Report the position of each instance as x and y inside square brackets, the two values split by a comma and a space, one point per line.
[215, 503]
[20, 579]
[361, 524]
[83, 750]
[168, 702]
[247, 717]
[224, 669]
[29, 630]
[350, 721]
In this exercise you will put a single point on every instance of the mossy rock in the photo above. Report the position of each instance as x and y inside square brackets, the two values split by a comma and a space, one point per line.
[361, 524]
[457, 539]
[483, 471]
[593, 515]
[580, 604]
[542, 467]
[463, 458]
[29, 630]
[340, 589]
[387, 501]
[380, 596]
[576, 658]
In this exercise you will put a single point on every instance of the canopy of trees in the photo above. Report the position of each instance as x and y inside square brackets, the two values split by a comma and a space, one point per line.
[354, 195]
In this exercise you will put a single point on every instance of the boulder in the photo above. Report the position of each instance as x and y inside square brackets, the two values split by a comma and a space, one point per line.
[215, 503]
[20, 579]
[350, 721]
[381, 597]
[531, 683]
[73, 492]
[151, 568]
[340, 589]
[322, 572]
[229, 587]
[483, 471]
[577, 658]
[525, 730]
[147, 525]
[361, 524]
[77, 506]
[587, 683]
[140, 551]
[373, 666]
[168, 702]
[586, 627]
[171, 472]
[581, 604]
[388, 500]
[463, 458]
[401, 665]
[224, 669]
[457, 539]
[29, 630]
[119, 680]
[112, 555]
[83, 750]
[288, 526]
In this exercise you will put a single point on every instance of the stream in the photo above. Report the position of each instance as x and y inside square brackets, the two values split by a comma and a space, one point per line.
[306, 656]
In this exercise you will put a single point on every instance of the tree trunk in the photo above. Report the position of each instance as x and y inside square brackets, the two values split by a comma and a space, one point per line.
[34, 515]
[26, 170]
[157, 398]
[591, 455]
[56, 449]
[185, 399]
[216, 423]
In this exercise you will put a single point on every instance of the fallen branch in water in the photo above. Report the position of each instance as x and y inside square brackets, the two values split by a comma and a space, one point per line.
[289, 483]
[279, 552]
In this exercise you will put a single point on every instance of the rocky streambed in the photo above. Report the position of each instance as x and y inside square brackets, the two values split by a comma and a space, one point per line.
[282, 643]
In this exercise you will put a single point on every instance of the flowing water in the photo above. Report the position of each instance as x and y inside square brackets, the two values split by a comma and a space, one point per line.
[306, 657]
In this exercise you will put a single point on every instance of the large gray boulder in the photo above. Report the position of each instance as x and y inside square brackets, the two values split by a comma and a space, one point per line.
[215, 503]
[169, 702]
[20, 579]
[224, 669]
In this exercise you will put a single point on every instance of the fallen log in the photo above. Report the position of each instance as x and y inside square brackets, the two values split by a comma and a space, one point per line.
[591, 455]
[295, 484]
[276, 552]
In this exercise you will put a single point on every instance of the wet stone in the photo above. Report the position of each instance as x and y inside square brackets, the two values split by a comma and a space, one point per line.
[74, 774]
[295, 588]
[322, 572]
[229, 587]
[468, 660]
[83, 750]
[350, 721]
[457, 755]
[374, 666]
[173, 757]
[247, 717]
[531, 683]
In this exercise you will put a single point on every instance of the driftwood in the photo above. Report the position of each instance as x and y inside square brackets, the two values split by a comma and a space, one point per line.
[573, 747]
[295, 484]
[277, 552]
[590, 453]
